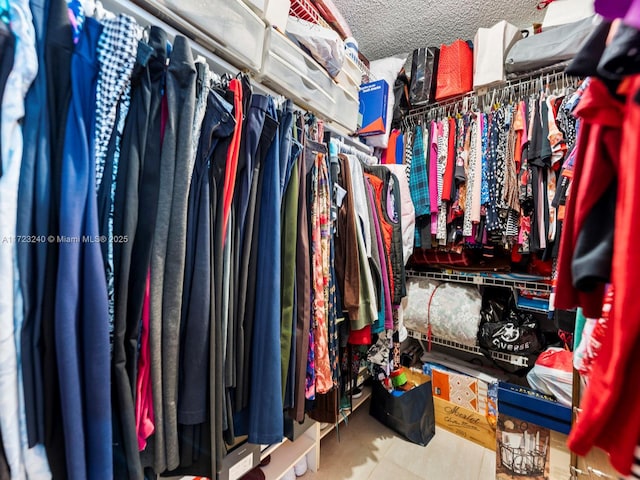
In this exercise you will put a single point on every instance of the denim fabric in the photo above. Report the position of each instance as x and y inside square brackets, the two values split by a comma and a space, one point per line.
[23, 462]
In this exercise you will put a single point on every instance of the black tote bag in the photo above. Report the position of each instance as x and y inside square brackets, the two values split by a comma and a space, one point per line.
[410, 414]
[424, 74]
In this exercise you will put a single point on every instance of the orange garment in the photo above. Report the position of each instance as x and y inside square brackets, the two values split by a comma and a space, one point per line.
[235, 86]
[389, 155]
[385, 226]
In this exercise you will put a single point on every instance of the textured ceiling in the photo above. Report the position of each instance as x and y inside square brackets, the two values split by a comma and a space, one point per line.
[384, 28]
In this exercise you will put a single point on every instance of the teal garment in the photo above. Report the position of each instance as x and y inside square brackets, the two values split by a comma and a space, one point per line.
[581, 320]
[378, 324]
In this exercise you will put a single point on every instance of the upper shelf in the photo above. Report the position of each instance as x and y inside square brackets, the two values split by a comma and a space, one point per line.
[509, 280]
[233, 38]
[517, 360]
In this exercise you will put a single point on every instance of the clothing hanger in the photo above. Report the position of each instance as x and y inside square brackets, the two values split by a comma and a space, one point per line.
[100, 13]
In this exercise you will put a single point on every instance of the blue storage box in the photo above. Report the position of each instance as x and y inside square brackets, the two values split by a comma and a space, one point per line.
[373, 108]
[533, 407]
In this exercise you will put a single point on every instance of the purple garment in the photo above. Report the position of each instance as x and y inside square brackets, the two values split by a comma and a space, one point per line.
[612, 8]
[629, 10]
[433, 168]
[388, 313]
[433, 177]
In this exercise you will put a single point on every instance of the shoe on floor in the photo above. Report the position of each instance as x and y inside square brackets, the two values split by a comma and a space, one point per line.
[301, 467]
[290, 475]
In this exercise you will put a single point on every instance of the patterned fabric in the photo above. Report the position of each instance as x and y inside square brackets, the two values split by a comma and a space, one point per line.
[556, 138]
[567, 123]
[510, 194]
[418, 180]
[321, 240]
[334, 354]
[464, 140]
[472, 177]
[484, 193]
[379, 356]
[495, 170]
[408, 152]
[443, 152]
[76, 17]
[117, 50]
[316, 285]
[310, 387]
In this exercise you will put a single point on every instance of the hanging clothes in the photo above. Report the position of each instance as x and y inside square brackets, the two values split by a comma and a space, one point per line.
[22, 460]
[86, 405]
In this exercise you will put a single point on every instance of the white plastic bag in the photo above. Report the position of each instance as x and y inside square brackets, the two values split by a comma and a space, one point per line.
[553, 374]
[453, 310]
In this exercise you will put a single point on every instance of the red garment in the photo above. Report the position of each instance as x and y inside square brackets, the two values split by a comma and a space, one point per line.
[451, 163]
[232, 155]
[145, 423]
[610, 415]
[597, 159]
[360, 337]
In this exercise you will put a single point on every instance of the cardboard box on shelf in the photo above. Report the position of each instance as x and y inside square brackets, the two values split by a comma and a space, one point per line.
[465, 423]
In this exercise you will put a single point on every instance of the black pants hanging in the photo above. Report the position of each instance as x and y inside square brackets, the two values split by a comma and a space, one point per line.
[126, 456]
[196, 408]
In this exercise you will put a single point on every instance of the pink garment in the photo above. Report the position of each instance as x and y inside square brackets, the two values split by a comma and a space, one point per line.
[433, 177]
[525, 127]
[477, 184]
[144, 394]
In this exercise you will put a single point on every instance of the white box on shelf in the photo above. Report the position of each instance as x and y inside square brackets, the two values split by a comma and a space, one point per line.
[346, 108]
[350, 77]
[231, 23]
[291, 72]
[274, 12]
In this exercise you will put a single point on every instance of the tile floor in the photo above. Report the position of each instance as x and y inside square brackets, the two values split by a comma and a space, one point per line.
[368, 450]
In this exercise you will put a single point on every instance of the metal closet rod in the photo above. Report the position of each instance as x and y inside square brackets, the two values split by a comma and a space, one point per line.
[345, 139]
[538, 78]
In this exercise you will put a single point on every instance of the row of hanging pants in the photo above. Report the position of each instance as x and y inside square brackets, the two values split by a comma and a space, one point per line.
[178, 291]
